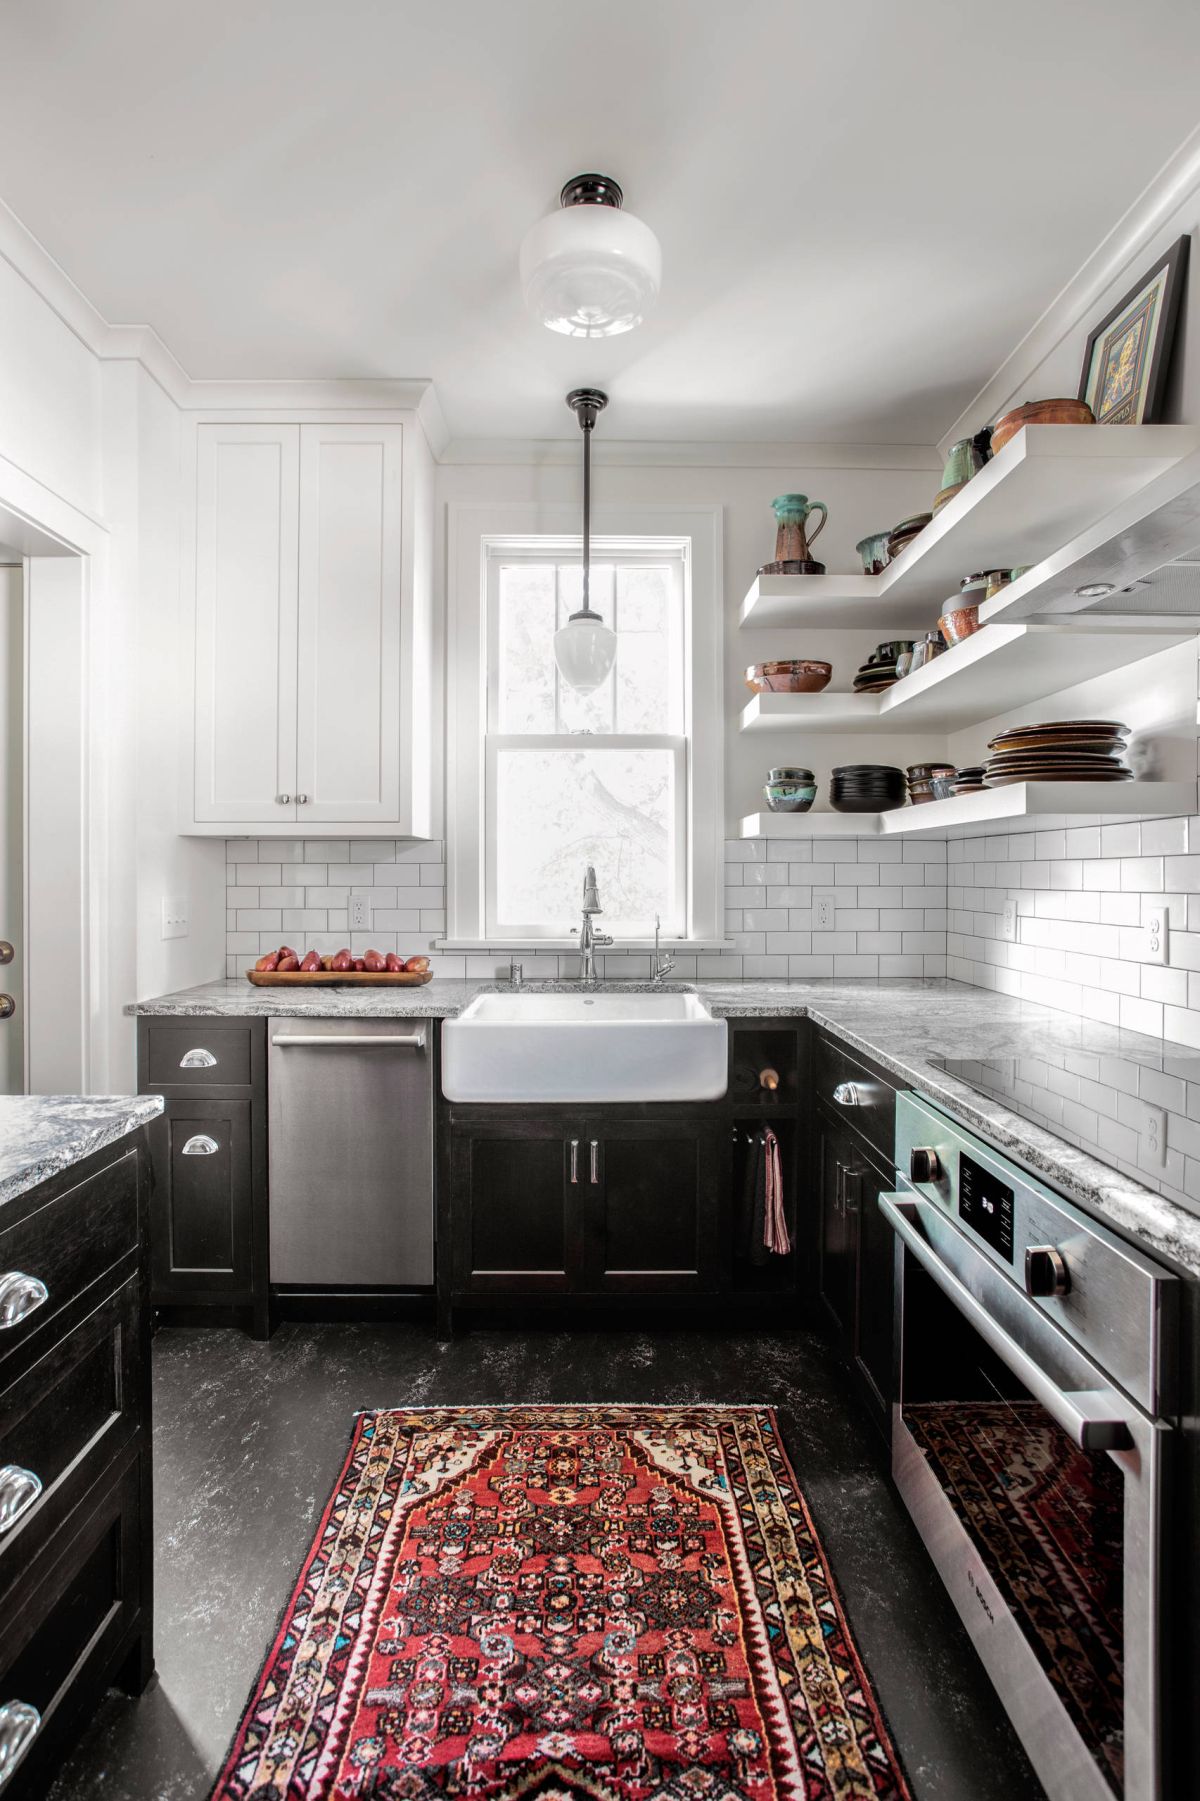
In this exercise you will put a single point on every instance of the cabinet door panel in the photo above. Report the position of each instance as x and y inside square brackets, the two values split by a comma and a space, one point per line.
[202, 1206]
[838, 1250]
[513, 1225]
[349, 726]
[245, 682]
[653, 1209]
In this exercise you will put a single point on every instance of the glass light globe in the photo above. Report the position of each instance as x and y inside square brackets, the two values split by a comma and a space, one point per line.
[585, 650]
[590, 271]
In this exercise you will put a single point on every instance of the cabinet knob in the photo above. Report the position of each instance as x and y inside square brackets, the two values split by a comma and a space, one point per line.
[7, 953]
[19, 1724]
[8, 1006]
[19, 1489]
[200, 1146]
[20, 1295]
[198, 1058]
[283, 800]
[302, 800]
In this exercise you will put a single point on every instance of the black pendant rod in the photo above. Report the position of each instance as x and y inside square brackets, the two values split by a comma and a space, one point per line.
[586, 404]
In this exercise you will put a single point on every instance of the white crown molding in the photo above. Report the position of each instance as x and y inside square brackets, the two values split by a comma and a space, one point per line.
[349, 394]
[1178, 178]
[667, 453]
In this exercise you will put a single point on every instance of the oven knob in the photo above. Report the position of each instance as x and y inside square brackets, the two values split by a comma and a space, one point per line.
[1046, 1272]
[924, 1165]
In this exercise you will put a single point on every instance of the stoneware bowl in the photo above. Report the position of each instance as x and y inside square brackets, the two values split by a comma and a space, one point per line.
[789, 797]
[958, 624]
[1040, 412]
[793, 676]
[874, 552]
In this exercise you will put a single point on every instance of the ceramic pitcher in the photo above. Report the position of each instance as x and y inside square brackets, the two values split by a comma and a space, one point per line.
[793, 543]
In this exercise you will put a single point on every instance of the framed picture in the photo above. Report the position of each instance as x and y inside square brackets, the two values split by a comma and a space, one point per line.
[1127, 356]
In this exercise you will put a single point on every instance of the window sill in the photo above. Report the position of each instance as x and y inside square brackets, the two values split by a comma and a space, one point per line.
[572, 944]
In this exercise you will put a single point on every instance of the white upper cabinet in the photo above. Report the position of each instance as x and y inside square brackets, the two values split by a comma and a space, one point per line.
[309, 629]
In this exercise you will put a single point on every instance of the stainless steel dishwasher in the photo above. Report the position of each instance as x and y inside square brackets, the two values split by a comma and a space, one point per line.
[351, 1153]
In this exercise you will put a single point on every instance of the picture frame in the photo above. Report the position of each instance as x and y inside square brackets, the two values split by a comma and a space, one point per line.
[1128, 354]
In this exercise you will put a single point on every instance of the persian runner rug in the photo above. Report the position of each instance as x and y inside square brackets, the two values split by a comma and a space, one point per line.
[583, 1603]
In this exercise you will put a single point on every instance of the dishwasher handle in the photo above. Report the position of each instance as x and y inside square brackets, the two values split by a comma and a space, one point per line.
[415, 1041]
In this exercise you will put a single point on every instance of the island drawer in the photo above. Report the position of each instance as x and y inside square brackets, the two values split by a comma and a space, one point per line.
[64, 1419]
[199, 1053]
[66, 1241]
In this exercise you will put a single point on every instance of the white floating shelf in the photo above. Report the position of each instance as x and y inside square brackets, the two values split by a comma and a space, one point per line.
[999, 667]
[968, 815]
[1047, 485]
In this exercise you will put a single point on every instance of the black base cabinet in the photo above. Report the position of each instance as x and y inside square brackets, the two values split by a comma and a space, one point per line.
[76, 1572]
[209, 1150]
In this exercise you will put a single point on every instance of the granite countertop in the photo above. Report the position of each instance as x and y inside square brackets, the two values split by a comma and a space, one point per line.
[41, 1134]
[906, 1026]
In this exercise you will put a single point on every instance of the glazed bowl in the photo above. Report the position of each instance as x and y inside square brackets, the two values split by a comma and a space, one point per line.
[959, 623]
[874, 552]
[1040, 412]
[794, 675]
[789, 797]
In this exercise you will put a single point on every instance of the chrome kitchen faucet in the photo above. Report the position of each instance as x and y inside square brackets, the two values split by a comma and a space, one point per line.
[589, 938]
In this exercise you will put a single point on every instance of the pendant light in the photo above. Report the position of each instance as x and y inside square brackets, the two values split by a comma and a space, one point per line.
[590, 270]
[585, 649]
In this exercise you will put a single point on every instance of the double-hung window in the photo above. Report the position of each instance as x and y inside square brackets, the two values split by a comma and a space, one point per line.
[565, 779]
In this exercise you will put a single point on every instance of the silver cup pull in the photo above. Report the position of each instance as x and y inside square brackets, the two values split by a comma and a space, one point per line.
[847, 1094]
[19, 1489]
[20, 1295]
[19, 1723]
[200, 1146]
[198, 1059]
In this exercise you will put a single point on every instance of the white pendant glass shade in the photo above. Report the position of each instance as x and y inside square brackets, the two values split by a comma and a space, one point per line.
[585, 650]
[590, 271]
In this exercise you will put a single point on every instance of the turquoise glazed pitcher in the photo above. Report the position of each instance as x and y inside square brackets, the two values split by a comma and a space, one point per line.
[793, 541]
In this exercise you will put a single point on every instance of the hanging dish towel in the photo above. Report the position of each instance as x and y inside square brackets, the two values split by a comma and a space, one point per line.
[775, 1232]
[762, 1225]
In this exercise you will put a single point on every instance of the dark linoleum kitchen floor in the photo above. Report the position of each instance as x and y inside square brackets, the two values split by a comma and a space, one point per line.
[249, 1438]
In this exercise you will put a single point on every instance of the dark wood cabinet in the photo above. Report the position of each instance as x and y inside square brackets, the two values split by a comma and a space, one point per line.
[837, 1250]
[651, 1194]
[209, 1246]
[513, 1230]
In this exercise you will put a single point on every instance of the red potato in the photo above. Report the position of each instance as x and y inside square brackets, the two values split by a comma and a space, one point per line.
[287, 965]
[417, 966]
[270, 961]
[311, 963]
[374, 961]
[393, 964]
[341, 961]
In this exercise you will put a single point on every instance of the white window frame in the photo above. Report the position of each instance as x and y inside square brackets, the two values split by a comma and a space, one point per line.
[479, 536]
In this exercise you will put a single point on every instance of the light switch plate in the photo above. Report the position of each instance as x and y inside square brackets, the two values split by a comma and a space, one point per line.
[1153, 1135]
[1008, 921]
[1155, 932]
[174, 916]
[360, 913]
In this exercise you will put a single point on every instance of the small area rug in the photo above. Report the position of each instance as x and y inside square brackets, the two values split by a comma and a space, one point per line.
[591, 1603]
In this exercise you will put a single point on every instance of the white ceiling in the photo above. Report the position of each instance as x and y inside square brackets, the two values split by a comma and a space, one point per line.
[862, 207]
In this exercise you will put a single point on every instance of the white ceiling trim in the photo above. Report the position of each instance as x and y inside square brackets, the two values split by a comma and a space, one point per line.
[668, 453]
[1178, 178]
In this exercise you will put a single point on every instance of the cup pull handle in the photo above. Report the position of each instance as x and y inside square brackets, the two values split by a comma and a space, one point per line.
[198, 1059]
[200, 1146]
[19, 1489]
[19, 1724]
[20, 1295]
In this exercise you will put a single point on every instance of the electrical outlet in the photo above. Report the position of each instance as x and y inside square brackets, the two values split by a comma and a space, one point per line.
[824, 906]
[1154, 950]
[360, 913]
[1153, 1135]
[1008, 920]
[174, 916]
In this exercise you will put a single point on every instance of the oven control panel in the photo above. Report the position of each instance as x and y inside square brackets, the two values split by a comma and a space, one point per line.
[1103, 1293]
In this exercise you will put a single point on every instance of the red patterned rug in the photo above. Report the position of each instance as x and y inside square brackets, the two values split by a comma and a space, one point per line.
[564, 1604]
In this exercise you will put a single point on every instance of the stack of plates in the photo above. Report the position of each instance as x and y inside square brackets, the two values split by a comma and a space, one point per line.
[903, 534]
[873, 677]
[1063, 750]
[970, 780]
[866, 788]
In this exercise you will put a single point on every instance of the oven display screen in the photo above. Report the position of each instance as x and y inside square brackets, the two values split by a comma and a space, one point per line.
[986, 1205]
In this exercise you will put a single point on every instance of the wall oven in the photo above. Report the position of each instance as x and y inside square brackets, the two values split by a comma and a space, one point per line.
[1031, 1443]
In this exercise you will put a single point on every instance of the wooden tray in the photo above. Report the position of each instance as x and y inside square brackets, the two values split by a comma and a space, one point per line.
[346, 978]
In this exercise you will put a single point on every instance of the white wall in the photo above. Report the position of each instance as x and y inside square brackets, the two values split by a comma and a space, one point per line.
[49, 396]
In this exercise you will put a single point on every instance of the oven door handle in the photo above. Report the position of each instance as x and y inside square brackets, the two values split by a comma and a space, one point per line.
[1086, 1416]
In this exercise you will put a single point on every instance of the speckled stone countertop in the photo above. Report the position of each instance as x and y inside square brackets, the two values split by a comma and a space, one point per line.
[906, 1026]
[41, 1134]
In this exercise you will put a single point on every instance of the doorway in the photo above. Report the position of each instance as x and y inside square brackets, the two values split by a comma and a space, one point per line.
[12, 825]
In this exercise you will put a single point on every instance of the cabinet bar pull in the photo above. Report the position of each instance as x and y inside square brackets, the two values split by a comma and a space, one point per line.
[200, 1146]
[19, 1489]
[20, 1295]
[19, 1723]
[575, 1160]
[198, 1059]
[594, 1161]
[414, 1040]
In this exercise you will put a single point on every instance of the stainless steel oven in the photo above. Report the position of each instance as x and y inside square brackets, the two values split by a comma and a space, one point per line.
[1031, 1442]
